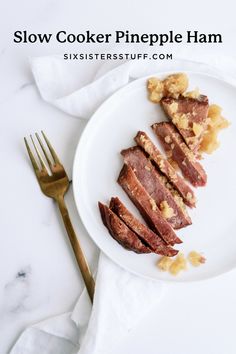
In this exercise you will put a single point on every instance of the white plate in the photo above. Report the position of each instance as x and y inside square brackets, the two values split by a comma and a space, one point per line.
[98, 162]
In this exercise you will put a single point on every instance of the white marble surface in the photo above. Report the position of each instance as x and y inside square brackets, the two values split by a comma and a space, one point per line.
[38, 276]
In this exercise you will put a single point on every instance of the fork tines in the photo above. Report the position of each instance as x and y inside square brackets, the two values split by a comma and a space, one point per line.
[41, 165]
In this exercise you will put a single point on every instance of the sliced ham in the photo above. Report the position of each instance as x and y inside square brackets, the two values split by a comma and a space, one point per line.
[176, 148]
[155, 185]
[165, 167]
[120, 232]
[146, 205]
[189, 115]
[143, 232]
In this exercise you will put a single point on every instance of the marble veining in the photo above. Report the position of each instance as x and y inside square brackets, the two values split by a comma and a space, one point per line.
[17, 90]
[17, 291]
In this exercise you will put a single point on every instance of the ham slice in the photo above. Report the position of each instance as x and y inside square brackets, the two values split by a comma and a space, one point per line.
[155, 185]
[146, 205]
[189, 115]
[143, 232]
[175, 147]
[120, 232]
[165, 167]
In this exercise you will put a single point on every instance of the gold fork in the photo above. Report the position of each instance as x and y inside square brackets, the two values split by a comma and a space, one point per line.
[55, 185]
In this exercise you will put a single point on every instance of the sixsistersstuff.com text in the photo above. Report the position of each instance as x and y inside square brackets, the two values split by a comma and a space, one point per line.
[120, 56]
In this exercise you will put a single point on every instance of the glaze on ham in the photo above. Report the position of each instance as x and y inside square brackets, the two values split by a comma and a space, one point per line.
[155, 184]
[146, 235]
[146, 205]
[174, 144]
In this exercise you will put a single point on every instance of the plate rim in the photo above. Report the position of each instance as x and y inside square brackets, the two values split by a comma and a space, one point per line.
[77, 157]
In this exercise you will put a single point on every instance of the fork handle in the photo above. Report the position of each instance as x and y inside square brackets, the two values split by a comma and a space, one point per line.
[79, 255]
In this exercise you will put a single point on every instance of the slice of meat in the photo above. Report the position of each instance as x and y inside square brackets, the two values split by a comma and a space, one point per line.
[144, 233]
[120, 232]
[153, 182]
[174, 144]
[146, 205]
[165, 167]
[189, 116]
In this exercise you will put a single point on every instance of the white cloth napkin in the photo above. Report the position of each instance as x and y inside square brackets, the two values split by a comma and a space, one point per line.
[121, 299]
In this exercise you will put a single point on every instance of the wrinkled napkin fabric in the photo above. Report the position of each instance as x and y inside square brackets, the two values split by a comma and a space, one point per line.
[121, 299]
